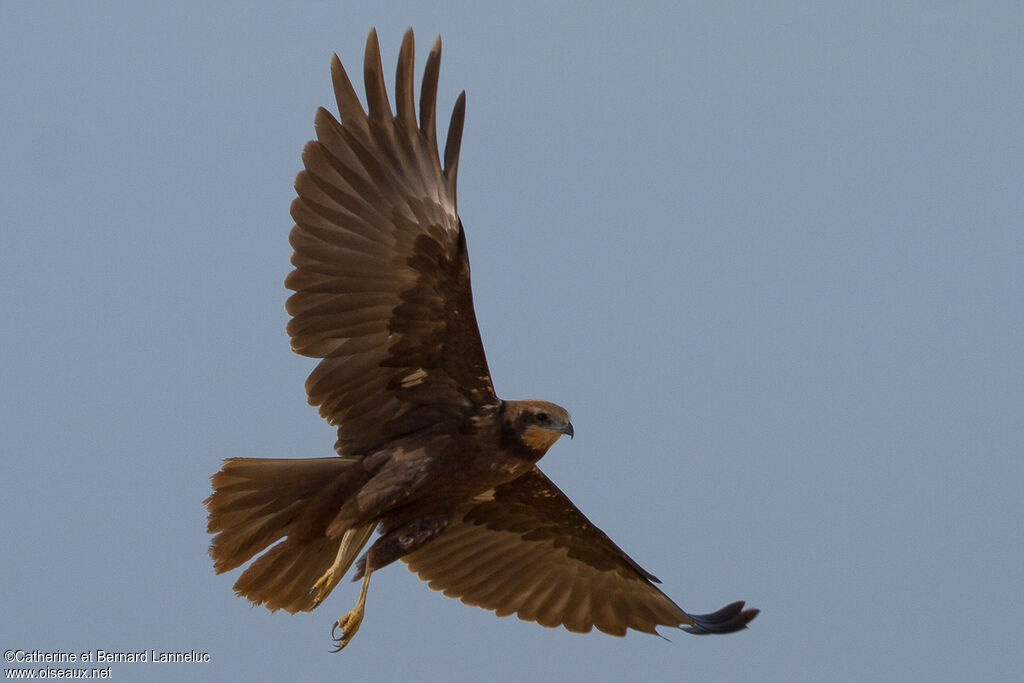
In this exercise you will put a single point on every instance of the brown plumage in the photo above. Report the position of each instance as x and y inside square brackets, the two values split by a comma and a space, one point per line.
[428, 454]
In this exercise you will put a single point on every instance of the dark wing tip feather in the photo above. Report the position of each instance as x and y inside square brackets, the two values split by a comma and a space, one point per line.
[403, 81]
[454, 141]
[729, 619]
[428, 95]
[349, 108]
[373, 74]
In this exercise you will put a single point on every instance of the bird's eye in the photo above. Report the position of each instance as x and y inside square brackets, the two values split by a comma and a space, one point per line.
[542, 417]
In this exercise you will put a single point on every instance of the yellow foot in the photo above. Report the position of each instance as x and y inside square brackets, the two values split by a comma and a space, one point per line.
[324, 585]
[348, 625]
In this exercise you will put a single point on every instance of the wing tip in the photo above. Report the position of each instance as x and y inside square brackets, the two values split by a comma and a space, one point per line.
[729, 619]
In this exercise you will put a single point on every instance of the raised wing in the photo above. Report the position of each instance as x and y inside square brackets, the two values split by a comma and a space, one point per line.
[381, 279]
[524, 548]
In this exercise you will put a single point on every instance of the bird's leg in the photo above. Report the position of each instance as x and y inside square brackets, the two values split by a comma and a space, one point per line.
[351, 543]
[385, 550]
[350, 623]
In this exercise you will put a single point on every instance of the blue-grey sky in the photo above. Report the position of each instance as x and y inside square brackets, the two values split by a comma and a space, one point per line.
[769, 255]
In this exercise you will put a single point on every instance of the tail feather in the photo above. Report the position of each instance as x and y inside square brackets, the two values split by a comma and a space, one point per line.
[282, 577]
[258, 501]
[239, 542]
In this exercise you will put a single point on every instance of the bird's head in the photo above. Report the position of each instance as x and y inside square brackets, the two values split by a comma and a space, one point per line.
[537, 424]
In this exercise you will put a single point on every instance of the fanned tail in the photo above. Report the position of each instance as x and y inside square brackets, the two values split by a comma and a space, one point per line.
[258, 501]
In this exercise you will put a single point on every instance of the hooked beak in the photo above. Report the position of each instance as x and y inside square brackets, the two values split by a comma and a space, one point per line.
[567, 429]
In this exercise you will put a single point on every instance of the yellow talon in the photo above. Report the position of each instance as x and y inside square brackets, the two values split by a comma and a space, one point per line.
[351, 543]
[350, 623]
[324, 585]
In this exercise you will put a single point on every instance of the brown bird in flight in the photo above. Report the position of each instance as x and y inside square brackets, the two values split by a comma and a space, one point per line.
[428, 453]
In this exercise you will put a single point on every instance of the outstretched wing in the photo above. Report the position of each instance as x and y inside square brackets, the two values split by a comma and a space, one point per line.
[523, 547]
[381, 279]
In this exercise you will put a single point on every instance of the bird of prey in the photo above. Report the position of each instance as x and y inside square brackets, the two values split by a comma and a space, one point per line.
[426, 452]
